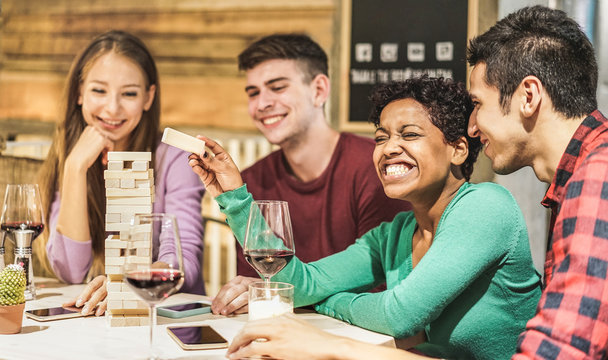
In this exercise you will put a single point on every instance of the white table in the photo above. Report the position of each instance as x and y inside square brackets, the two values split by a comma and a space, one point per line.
[91, 338]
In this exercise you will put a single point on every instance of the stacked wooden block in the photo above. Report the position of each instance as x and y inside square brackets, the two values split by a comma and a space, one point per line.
[129, 185]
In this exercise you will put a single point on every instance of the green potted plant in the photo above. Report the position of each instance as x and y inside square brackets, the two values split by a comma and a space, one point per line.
[12, 299]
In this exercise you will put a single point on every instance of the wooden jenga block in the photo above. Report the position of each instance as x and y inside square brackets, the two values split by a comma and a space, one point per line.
[113, 269]
[130, 304]
[116, 165]
[114, 286]
[139, 191]
[147, 183]
[128, 174]
[141, 310]
[183, 141]
[139, 165]
[115, 320]
[132, 320]
[114, 304]
[132, 200]
[143, 252]
[139, 260]
[112, 218]
[113, 253]
[114, 277]
[117, 226]
[137, 209]
[127, 183]
[112, 183]
[122, 296]
[129, 155]
[144, 321]
[116, 244]
[113, 261]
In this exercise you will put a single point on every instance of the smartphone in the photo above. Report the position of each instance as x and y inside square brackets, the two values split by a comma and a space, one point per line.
[199, 337]
[54, 313]
[183, 310]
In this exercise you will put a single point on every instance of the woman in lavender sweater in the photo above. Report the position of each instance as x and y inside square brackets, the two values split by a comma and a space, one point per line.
[112, 104]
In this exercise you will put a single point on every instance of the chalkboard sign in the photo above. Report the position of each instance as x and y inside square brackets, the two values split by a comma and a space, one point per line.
[399, 39]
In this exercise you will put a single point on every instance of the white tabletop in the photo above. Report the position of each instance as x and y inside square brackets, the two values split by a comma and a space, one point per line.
[91, 338]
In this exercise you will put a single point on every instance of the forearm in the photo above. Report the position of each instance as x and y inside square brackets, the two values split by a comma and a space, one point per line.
[349, 349]
[73, 220]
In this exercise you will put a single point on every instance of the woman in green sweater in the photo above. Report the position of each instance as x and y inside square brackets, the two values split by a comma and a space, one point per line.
[457, 268]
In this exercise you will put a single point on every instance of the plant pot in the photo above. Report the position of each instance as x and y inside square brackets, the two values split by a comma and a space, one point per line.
[11, 318]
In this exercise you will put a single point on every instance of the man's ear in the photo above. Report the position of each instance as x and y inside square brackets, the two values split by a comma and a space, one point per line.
[530, 92]
[460, 151]
[320, 86]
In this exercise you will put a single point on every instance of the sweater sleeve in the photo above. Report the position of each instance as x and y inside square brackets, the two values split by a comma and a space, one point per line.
[477, 231]
[356, 268]
[183, 191]
[70, 259]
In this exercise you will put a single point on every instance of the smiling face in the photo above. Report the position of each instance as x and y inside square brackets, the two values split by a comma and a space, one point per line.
[113, 96]
[281, 103]
[502, 135]
[412, 159]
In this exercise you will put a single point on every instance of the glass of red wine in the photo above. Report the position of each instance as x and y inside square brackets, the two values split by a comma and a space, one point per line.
[269, 243]
[153, 266]
[22, 210]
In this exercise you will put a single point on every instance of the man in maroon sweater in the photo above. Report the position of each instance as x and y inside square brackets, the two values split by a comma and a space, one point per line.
[327, 177]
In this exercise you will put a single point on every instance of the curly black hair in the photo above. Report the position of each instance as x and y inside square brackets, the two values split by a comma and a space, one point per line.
[447, 102]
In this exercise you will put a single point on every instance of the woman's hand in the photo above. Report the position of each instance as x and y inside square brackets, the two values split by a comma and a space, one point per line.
[93, 298]
[233, 297]
[218, 172]
[90, 144]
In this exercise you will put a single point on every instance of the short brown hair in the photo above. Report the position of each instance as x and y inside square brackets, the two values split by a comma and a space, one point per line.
[298, 47]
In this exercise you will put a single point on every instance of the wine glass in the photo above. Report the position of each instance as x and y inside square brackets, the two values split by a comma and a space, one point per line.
[268, 243]
[22, 212]
[153, 236]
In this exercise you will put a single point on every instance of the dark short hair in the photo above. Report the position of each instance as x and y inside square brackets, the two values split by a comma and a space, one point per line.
[298, 47]
[447, 102]
[545, 43]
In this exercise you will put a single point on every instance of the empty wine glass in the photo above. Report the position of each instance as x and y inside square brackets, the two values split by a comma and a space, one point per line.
[153, 281]
[268, 243]
[22, 212]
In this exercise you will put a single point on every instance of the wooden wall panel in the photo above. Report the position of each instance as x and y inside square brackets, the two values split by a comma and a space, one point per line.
[195, 44]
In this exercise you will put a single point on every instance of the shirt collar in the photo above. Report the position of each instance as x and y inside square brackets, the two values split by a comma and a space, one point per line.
[594, 124]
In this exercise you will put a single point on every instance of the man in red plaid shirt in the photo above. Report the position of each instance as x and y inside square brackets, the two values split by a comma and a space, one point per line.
[534, 82]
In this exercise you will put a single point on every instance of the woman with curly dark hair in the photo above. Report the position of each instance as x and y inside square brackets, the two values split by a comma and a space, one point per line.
[458, 268]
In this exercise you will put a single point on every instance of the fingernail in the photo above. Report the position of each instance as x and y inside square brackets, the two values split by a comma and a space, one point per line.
[85, 310]
[79, 302]
[98, 312]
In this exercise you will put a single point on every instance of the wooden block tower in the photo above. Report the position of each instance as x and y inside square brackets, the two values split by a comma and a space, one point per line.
[129, 185]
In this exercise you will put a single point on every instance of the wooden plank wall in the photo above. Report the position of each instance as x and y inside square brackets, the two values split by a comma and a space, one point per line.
[195, 43]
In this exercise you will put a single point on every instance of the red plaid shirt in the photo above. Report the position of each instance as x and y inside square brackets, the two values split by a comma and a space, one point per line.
[572, 316]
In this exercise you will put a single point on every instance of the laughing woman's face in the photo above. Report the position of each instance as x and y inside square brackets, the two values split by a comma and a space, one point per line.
[411, 156]
[113, 97]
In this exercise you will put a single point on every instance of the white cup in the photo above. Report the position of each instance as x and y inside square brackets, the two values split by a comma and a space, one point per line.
[269, 300]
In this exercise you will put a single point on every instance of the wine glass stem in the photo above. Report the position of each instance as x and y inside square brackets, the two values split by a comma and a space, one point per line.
[152, 327]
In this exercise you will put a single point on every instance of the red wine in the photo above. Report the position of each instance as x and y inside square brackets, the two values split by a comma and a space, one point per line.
[154, 285]
[20, 225]
[268, 261]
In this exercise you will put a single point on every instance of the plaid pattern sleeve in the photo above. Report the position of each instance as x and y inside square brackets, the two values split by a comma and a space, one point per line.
[572, 315]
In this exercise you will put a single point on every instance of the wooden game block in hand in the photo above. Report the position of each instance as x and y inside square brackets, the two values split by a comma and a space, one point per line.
[183, 141]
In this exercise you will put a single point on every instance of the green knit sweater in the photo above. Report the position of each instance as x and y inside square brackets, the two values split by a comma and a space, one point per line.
[472, 292]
